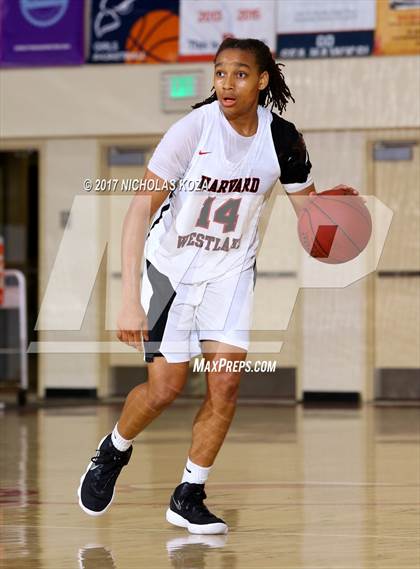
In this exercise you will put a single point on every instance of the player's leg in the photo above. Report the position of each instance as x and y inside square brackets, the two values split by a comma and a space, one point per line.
[216, 413]
[223, 320]
[225, 340]
[143, 404]
[146, 401]
[167, 373]
[211, 424]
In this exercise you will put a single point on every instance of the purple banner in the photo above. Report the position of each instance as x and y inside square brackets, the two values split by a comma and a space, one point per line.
[41, 32]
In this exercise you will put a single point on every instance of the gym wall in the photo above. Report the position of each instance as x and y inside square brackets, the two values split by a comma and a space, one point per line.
[72, 115]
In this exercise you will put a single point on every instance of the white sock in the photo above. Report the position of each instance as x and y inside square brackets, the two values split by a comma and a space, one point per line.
[195, 474]
[119, 442]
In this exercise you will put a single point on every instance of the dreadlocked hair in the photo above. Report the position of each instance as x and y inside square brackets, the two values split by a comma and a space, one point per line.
[276, 93]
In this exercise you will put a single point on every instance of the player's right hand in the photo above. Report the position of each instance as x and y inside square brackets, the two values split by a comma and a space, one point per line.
[132, 325]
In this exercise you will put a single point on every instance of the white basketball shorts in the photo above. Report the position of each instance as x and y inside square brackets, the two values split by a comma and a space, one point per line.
[181, 315]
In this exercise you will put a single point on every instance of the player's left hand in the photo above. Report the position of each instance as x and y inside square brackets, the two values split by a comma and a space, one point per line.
[345, 189]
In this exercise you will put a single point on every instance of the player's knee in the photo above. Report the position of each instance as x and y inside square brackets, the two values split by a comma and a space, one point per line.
[162, 397]
[226, 387]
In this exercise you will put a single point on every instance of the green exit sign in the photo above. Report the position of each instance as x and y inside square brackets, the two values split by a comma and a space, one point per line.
[181, 86]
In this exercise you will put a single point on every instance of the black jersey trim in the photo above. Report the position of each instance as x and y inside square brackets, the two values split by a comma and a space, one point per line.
[161, 301]
[162, 211]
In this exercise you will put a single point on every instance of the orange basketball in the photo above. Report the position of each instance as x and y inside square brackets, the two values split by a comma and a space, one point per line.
[153, 38]
[334, 228]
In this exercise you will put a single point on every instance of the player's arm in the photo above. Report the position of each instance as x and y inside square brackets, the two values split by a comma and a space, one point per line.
[296, 174]
[300, 199]
[136, 224]
[131, 318]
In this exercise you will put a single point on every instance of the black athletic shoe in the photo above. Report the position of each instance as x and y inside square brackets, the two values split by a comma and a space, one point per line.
[186, 510]
[97, 485]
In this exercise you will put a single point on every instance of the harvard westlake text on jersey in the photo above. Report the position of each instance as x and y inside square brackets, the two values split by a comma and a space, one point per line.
[234, 185]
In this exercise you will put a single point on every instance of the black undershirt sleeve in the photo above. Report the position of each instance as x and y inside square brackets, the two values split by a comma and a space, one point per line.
[293, 157]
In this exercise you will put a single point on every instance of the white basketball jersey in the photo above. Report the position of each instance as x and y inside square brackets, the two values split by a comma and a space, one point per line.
[207, 229]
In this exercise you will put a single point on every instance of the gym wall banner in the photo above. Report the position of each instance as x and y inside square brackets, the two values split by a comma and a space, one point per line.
[205, 23]
[41, 33]
[134, 31]
[331, 28]
[397, 27]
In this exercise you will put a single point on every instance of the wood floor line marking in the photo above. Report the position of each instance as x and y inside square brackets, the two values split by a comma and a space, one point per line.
[13, 504]
[235, 532]
[280, 484]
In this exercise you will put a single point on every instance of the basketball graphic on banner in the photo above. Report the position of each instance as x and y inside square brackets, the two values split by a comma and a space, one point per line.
[153, 38]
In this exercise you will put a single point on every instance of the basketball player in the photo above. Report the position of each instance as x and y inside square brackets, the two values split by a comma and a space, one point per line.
[199, 265]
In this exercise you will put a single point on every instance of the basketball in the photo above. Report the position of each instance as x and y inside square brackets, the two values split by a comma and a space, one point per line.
[335, 227]
[154, 38]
